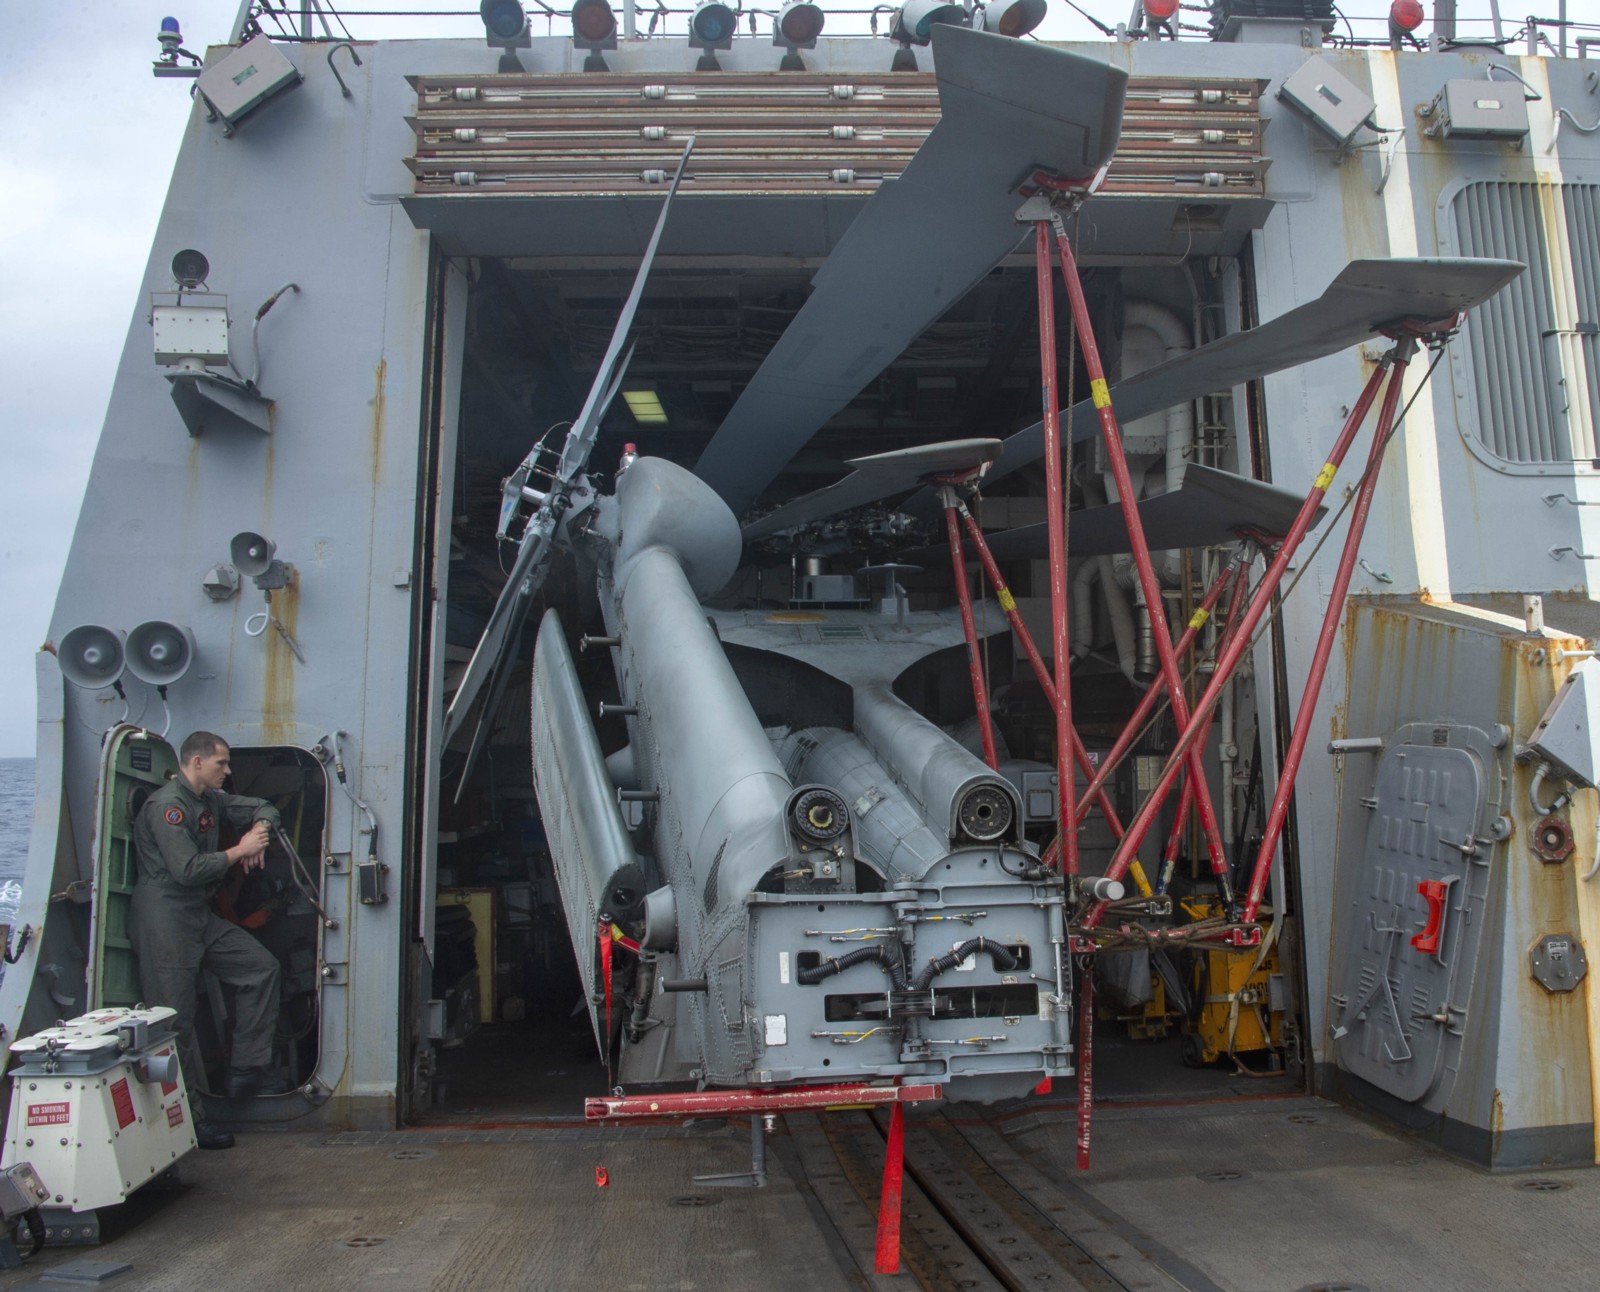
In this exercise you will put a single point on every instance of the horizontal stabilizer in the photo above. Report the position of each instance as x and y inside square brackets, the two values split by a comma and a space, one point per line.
[1008, 107]
[1366, 296]
[880, 476]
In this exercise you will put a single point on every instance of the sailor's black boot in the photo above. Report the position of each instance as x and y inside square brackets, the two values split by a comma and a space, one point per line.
[210, 1135]
[247, 1083]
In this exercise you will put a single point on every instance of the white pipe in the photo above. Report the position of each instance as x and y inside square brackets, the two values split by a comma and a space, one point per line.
[1176, 338]
[1121, 616]
[1083, 608]
[1173, 334]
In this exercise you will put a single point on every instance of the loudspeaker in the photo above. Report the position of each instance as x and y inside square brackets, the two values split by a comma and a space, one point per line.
[160, 653]
[92, 656]
[251, 554]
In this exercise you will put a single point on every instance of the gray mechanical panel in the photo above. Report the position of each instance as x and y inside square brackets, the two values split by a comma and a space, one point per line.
[1328, 98]
[1399, 997]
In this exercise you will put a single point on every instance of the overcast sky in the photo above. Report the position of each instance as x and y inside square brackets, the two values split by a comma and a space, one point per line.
[87, 141]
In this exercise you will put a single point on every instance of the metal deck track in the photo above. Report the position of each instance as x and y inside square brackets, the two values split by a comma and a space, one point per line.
[975, 1215]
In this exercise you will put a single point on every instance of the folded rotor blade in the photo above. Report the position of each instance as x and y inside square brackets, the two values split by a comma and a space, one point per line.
[1008, 108]
[1365, 297]
[538, 539]
[1209, 507]
[874, 478]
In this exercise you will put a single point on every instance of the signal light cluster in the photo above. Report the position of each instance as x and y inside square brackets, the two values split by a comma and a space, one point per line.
[797, 26]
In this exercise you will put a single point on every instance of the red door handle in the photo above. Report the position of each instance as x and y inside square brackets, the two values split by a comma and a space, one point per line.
[1434, 892]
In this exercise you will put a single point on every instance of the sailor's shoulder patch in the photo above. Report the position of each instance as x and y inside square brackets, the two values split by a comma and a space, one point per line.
[173, 815]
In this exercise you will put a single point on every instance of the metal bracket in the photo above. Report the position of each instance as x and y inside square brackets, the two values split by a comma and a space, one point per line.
[756, 1176]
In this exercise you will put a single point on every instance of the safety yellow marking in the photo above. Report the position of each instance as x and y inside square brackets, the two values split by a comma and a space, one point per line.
[1197, 621]
[1101, 393]
[1139, 878]
[1008, 603]
[1325, 476]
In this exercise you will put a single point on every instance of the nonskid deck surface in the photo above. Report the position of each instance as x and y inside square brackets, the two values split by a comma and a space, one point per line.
[1268, 1194]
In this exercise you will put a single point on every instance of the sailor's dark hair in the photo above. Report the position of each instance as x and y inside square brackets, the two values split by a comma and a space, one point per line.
[200, 744]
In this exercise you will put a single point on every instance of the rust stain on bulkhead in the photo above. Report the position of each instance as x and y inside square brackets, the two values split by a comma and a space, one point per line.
[277, 691]
[378, 398]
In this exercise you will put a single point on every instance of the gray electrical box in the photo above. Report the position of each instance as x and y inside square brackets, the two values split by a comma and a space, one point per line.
[236, 85]
[190, 332]
[1565, 736]
[1481, 110]
[1328, 98]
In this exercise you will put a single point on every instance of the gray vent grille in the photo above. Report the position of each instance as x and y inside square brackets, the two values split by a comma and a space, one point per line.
[1530, 356]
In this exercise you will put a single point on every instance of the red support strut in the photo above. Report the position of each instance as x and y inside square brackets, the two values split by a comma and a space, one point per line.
[1228, 659]
[1008, 603]
[1056, 514]
[1149, 587]
[1085, 1060]
[980, 691]
[888, 1247]
[707, 1103]
[1330, 630]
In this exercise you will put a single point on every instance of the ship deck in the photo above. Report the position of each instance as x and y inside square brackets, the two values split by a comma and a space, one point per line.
[1200, 1181]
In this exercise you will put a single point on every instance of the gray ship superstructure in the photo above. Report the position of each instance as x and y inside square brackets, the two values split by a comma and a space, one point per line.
[413, 256]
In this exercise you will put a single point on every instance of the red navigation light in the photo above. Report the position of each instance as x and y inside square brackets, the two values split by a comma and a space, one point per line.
[1161, 10]
[594, 25]
[1406, 14]
[799, 25]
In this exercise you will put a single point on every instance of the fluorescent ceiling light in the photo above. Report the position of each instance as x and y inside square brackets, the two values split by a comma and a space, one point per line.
[645, 405]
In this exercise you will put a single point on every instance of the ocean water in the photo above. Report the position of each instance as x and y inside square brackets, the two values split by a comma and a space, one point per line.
[16, 821]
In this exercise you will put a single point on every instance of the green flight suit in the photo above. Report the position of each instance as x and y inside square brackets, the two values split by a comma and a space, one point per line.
[176, 933]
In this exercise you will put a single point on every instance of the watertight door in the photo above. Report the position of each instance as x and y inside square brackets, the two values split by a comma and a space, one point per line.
[1417, 908]
[134, 765]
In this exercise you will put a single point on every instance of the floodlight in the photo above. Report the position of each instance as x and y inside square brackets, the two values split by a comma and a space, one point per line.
[594, 27]
[798, 25]
[916, 19]
[711, 29]
[190, 269]
[1014, 17]
[505, 24]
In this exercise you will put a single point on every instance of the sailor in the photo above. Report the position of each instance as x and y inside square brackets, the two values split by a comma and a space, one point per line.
[176, 933]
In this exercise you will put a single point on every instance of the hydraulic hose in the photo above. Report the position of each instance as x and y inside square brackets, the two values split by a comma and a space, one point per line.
[889, 959]
[1002, 958]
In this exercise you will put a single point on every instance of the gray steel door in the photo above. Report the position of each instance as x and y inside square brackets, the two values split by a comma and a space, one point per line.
[1416, 903]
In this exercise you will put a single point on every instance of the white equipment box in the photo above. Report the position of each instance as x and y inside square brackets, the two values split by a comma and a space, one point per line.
[98, 1106]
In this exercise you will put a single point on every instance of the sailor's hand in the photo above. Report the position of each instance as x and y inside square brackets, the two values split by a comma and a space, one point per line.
[255, 839]
[255, 861]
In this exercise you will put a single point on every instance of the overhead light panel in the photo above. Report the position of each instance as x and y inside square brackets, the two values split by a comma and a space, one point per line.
[795, 28]
[594, 28]
[710, 29]
[645, 405]
[1013, 17]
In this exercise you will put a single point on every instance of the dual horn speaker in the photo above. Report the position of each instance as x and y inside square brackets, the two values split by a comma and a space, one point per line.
[158, 653]
[92, 656]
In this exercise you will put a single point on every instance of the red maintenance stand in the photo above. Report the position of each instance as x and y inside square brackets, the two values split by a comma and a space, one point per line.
[1046, 208]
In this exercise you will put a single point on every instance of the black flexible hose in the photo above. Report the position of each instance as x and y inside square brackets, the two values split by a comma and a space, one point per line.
[1002, 958]
[889, 959]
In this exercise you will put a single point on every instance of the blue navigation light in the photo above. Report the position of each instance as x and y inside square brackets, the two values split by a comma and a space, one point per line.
[713, 25]
[170, 24]
[504, 19]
